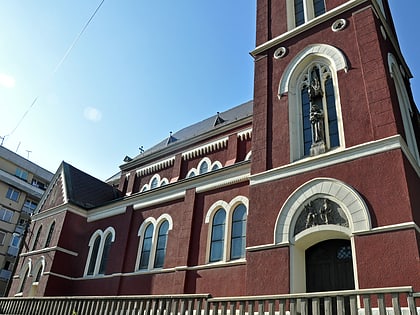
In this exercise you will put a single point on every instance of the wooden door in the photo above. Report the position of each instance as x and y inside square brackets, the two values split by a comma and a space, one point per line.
[329, 267]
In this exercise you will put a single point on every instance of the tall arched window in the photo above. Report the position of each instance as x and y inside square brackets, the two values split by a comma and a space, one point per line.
[318, 110]
[405, 107]
[50, 234]
[311, 85]
[23, 280]
[146, 247]
[153, 242]
[99, 250]
[204, 167]
[36, 240]
[218, 236]
[238, 235]
[161, 245]
[94, 255]
[105, 253]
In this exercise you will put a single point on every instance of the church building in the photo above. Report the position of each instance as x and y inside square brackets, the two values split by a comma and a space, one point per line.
[312, 186]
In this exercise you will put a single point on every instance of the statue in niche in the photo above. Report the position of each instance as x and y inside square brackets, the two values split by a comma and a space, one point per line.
[320, 211]
[316, 114]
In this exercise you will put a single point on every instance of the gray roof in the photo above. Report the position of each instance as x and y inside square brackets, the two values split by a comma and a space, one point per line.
[223, 119]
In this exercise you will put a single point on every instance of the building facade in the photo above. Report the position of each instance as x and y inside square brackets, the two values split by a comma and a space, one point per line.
[22, 184]
[312, 186]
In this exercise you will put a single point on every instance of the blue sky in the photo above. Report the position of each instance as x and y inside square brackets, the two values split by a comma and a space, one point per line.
[140, 70]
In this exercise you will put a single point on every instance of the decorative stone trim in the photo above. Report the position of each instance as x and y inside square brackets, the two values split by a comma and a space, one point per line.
[339, 25]
[333, 54]
[280, 53]
[345, 196]
[206, 148]
[156, 166]
[245, 134]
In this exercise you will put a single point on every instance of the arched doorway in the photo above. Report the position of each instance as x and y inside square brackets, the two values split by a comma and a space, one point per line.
[329, 266]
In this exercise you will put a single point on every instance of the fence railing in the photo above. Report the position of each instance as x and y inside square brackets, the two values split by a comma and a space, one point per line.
[398, 301]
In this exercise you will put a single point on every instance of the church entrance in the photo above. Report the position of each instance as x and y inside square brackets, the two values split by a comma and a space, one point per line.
[329, 267]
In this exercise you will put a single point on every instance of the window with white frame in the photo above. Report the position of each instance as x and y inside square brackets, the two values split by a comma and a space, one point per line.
[227, 230]
[310, 81]
[204, 166]
[155, 182]
[405, 107]
[6, 215]
[99, 249]
[302, 11]
[13, 194]
[153, 242]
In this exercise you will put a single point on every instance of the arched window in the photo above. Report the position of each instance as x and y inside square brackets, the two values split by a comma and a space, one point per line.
[94, 255]
[161, 245]
[310, 82]
[105, 253]
[146, 247]
[36, 240]
[318, 110]
[50, 234]
[405, 107]
[153, 242]
[23, 280]
[238, 235]
[227, 230]
[154, 183]
[204, 167]
[218, 236]
[99, 249]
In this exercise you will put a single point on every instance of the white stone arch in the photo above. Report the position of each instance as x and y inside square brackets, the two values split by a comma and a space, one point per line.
[404, 103]
[337, 191]
[331, 53]
[352, 204]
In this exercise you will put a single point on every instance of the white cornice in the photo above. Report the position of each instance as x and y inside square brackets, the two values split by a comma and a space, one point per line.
[103, 213]
[245, 134]
[332, 158]
[205, 148]
[304, 27]
[202, 183]
[156, 166]
[179, 146]
[377, 230]
[329, 14]
[50, 249]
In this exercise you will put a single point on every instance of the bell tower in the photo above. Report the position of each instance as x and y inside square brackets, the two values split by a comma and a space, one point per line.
[333, 112]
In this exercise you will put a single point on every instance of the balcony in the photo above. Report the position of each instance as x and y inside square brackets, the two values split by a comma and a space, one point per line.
[399, 300]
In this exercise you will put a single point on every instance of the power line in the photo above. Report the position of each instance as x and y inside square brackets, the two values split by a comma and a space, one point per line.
[60, 63]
